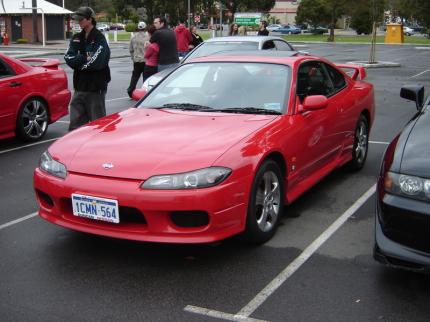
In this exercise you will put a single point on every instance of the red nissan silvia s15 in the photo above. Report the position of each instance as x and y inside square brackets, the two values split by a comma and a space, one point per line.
[217, 148]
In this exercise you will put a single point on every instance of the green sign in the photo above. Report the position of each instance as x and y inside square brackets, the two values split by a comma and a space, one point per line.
[247, 19]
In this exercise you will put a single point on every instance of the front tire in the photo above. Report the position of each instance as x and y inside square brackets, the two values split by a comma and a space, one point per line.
[361, 144]
[32, 121]
[265, 203]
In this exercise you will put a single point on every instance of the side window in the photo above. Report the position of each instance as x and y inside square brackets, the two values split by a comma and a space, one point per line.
[337, 78]
[5, 70]
[312, 79]
[282, 45]
[269, 45]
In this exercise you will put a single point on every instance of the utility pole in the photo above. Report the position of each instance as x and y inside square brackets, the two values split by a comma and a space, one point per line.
[34, 16]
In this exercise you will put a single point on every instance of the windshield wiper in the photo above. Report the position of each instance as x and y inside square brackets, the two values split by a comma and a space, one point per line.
[185, 107]
[246, 110]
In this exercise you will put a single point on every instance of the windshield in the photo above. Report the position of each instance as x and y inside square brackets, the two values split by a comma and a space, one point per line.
[231, 87]
[209, 48]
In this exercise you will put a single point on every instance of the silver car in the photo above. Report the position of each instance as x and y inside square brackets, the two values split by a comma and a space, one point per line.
[222, 44]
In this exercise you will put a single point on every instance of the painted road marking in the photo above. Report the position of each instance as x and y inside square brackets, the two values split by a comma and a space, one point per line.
[419, 74]
[28, 145]
[219, 315]
[13, 222]
[261, 297]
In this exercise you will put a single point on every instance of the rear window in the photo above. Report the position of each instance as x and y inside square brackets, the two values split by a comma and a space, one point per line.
[210, 48]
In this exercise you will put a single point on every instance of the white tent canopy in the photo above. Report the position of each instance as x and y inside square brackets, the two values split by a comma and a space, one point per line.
[15, 7]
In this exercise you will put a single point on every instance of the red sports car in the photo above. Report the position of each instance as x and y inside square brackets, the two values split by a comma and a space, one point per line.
[215, 149]
[34, 93]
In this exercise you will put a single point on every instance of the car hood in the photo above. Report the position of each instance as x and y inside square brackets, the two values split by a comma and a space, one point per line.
[140, 143]
[416, 154]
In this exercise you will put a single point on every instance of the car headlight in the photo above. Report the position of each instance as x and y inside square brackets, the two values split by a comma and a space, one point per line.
[49, 165]
[407, 186]
[202, 178]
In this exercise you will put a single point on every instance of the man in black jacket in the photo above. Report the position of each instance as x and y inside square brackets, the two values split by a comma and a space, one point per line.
[88, 55]
[166, 41]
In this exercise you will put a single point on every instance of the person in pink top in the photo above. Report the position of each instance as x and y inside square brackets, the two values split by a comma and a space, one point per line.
[183, 38]
[151, 56]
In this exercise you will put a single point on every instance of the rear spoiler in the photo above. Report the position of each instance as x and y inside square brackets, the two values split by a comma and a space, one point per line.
[357, 72]
[42, 62]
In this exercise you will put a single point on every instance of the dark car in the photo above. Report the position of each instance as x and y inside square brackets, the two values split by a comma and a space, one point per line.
[117, 26]
[402, 229]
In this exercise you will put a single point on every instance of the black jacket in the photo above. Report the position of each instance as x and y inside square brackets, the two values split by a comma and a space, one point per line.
[91, 75]
[263, 32]
[166, 41]
[196, 40]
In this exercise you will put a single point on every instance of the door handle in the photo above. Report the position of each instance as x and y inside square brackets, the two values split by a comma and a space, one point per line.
[15, 84]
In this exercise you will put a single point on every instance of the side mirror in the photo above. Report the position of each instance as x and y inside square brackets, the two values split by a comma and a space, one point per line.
[413, 93]
[138, 94]
[314, 102]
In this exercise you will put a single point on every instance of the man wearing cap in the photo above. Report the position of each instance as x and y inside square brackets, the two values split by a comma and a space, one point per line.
[137, 52]
[88, 55]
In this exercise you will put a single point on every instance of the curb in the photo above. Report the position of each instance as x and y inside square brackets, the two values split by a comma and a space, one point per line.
[382, 64]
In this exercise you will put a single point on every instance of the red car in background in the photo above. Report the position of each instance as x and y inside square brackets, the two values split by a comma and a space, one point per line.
[34, 93]
[213, 150]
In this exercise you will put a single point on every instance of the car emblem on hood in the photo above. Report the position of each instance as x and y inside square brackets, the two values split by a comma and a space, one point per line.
[107, 166]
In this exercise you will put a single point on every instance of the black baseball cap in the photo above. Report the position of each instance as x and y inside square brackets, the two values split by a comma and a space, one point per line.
[83, 13]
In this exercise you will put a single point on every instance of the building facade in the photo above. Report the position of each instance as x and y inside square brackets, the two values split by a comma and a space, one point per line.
[285, 11]
[16, 20]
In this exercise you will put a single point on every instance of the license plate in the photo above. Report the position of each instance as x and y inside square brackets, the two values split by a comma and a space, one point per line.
[95, 208]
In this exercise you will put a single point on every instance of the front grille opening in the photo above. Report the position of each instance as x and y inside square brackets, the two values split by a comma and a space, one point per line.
[131, 215]
[192, 218]
[45, 199]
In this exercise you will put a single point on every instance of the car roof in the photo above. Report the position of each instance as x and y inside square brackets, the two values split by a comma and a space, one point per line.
[259, 56]
[258, 39]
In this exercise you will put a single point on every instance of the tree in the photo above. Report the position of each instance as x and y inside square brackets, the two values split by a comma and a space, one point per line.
[312, 12]
[364, 12]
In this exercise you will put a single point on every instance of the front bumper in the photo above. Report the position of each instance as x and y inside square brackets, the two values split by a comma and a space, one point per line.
[402, 234]
[224, 205]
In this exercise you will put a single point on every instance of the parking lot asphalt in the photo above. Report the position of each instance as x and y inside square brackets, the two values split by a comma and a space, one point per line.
[48, 273]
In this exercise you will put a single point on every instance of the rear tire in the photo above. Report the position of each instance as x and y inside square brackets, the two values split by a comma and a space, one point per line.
[266, 203]
[361, 144]
[32, 121]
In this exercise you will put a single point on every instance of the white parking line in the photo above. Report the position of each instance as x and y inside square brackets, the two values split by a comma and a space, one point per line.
[419, 74]
[261, 297]
[13, 222]
[379, 142]
[220, 315]
[28, 145]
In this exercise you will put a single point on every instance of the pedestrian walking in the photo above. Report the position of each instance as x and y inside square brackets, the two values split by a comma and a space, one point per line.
[262, 30]
[151, 56]
[196, 38]
[88, 55]
[183, 38]
[166, 41]
[137, 52]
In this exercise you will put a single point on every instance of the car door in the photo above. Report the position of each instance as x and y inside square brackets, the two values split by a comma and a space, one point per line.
[346, 113]
[316, 128]
[10, 98]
